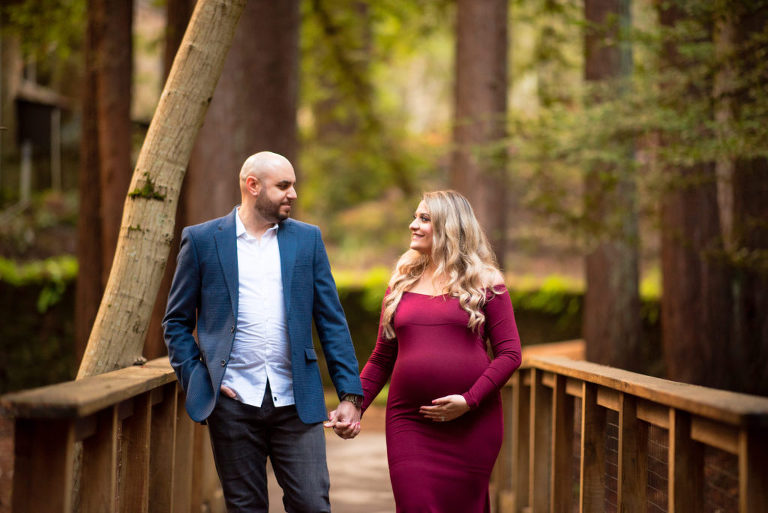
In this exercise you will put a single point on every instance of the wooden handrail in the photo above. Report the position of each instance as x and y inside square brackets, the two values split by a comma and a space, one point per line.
[140, 452]
[721, 405]
[73, 399]
[535, 470]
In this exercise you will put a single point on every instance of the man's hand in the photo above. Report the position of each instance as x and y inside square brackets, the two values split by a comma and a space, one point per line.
[228, 392]
[345, 420]
[445, 408]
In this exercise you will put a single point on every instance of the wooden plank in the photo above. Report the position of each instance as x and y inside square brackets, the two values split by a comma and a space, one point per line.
[134, 457]
[653, 413]
[753, 478]
[722, 405]
[548, 379]
[608, 398]
[162, 452]
[182, 475]
[716, 434]
[561, 476]
[592, 471]
[521, 441]
[89, 395]
[573, 387]
[685, 480]
[633, 457]
[541, 439]
[44, 459]
[98, 482]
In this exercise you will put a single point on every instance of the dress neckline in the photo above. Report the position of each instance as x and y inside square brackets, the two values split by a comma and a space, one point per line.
[443, 295]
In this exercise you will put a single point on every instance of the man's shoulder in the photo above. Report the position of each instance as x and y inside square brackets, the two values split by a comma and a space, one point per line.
[208, 226]
[299, 226]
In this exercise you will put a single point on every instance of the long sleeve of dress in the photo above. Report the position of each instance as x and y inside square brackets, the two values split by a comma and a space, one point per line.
[501, 329]
[379, 366]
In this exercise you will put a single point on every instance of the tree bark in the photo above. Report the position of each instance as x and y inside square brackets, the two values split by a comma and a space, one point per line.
[254, 107]
[89, 286]
[612, 327]
[479, 159]
[147, 226]
[742, 192]
[114, 66]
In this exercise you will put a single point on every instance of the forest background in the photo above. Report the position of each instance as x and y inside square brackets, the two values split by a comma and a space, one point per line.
[612, 149]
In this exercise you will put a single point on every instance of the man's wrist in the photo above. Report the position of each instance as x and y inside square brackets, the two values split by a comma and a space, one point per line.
[355, 399]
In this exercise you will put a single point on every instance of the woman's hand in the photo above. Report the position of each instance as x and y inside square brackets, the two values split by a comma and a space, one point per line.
[445, 408]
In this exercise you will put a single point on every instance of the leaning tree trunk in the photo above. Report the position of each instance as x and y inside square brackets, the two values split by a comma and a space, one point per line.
[178, 13]
[478, 166]
[612, 325]
[149, 212]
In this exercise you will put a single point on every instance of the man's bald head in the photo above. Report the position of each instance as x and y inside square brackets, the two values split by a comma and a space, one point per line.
[260, 164]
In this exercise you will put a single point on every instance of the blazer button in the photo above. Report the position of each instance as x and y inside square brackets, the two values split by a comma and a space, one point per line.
[232, 329]
[223, 363]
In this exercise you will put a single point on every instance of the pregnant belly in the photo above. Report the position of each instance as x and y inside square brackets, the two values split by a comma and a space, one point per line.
[419, 377]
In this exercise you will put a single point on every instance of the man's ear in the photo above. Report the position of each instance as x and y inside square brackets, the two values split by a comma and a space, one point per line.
[253, 185]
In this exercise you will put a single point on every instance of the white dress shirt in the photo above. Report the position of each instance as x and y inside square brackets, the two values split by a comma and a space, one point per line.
[261, 350]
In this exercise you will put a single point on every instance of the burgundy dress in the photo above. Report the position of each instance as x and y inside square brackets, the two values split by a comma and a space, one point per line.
[443, 467]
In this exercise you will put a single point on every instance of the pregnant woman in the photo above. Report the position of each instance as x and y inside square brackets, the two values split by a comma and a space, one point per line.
[445, 300]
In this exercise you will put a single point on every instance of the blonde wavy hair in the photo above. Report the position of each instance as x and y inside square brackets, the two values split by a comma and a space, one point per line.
[461, 253]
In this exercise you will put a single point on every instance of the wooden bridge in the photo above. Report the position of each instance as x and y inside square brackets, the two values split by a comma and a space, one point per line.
[578, 437]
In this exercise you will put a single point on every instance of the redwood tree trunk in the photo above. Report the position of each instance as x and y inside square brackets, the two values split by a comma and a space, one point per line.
[114, 64]
[253, 109]
[743, 189]
[612, 327]
[478, 167]
[695, 316]
[89, 285]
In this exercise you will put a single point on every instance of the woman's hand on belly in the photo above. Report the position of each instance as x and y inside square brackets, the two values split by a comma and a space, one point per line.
[445, 408]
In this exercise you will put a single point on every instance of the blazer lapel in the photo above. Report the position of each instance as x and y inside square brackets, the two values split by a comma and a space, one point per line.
[226, 246]
[286, 242]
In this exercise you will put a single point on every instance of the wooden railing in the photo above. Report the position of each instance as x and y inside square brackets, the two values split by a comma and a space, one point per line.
[669, 442]
[136, 449]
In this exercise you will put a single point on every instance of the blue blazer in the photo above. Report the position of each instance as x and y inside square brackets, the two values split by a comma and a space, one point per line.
[204, 295]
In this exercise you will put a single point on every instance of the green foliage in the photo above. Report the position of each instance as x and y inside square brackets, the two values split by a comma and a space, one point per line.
[360, 152]
[46, 27]
[631, 129]
[52, 275]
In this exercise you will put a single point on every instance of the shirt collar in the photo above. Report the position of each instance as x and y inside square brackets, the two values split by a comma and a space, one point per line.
[240, 227]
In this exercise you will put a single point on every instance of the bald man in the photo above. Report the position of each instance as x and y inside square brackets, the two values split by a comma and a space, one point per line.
[251, 283]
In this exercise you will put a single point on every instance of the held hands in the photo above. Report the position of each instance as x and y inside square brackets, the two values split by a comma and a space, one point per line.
[445, 408]
[345, 420]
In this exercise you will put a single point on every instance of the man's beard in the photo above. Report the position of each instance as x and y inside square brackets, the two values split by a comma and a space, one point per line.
[270, 211]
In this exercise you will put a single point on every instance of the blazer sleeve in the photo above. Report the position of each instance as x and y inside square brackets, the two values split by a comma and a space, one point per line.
[331, 324]
[181, 312]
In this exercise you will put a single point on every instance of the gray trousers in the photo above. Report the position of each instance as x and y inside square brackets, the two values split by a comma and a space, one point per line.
[243, 436]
